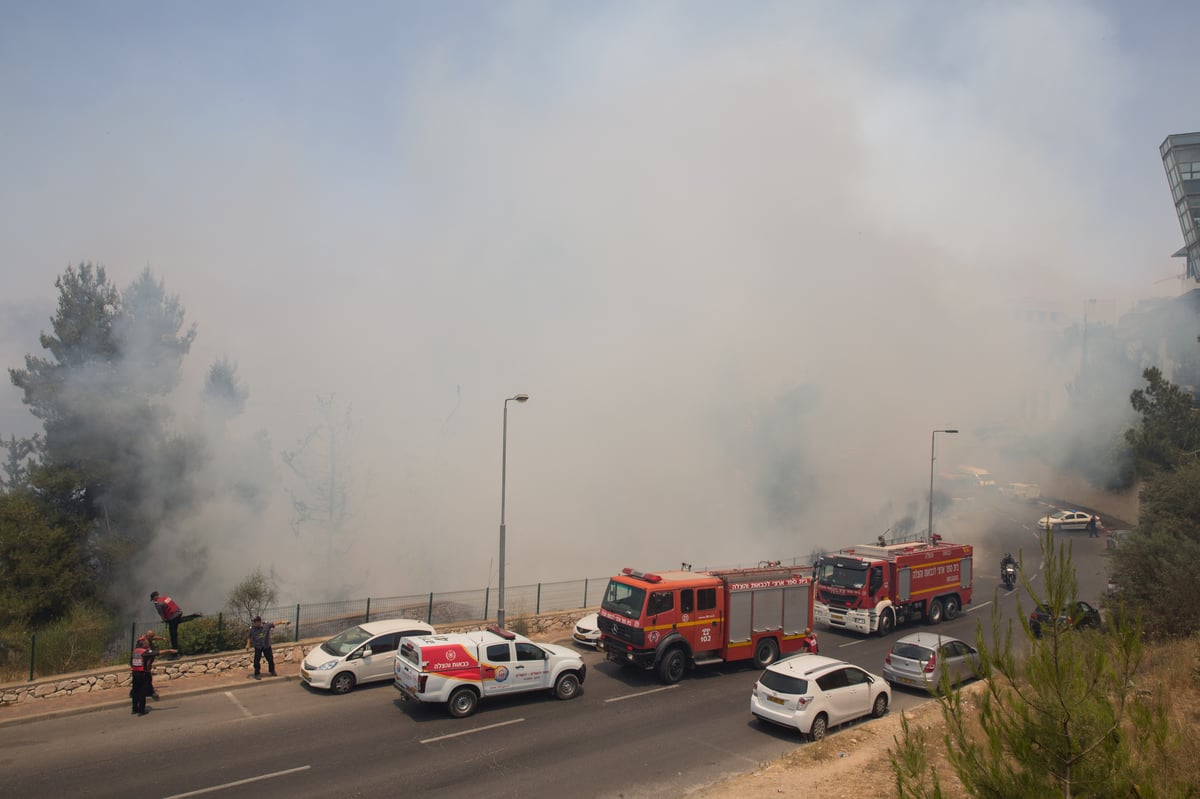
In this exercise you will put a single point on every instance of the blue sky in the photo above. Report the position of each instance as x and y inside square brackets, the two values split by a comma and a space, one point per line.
[624, 209]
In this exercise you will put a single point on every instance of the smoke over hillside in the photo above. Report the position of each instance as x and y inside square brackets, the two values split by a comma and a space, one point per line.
[743, 267]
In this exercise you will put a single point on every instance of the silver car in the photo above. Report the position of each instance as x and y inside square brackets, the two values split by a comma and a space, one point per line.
[918, 660]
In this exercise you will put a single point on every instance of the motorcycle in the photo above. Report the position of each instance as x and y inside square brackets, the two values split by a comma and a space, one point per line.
[1008, 573]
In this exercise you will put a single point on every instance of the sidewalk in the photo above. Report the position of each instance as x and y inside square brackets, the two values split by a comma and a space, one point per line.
[91, 701]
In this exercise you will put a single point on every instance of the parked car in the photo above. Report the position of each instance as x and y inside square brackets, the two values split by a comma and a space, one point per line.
[812, 693]
[366, 653]
[1079, 616]
[587, 630]
[1117, 539]
[919, 660]
[1068, 520]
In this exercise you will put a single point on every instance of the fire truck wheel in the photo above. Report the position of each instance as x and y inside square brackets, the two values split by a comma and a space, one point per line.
[670, 670]
[820, 726]
[887, 622]
[935, 612]
[462, 703]
[879, 709]
[567, 686]
[951, 608]
[765, 653]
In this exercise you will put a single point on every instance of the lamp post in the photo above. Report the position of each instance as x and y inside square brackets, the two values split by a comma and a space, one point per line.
[932, 444]
[503, 480]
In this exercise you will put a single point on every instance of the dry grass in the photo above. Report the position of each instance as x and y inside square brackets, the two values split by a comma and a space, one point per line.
[853, 762]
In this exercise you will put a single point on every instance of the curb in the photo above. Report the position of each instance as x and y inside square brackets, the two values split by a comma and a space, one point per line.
[109, 704]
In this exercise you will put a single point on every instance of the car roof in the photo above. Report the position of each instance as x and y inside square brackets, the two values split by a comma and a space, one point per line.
[927, 640]
[807, 665]
[393, 625]
[472, 636]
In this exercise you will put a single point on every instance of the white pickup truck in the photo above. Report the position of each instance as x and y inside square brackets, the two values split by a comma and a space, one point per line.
[462, 668]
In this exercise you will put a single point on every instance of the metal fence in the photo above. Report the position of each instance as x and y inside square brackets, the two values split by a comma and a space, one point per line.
[62, 651]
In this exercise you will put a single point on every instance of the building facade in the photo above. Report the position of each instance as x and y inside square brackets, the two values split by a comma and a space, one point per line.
[1181, 158]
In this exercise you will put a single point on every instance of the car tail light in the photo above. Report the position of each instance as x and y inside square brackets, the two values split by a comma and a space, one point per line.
[801, 701]
[931, 664]
[421, 683]
[888, 658]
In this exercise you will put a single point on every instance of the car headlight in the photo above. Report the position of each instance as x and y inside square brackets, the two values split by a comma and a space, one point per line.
[326, 666]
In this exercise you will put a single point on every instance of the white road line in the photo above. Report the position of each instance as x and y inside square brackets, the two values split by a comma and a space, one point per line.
[470, 732]
[641, 693]
[240, 706]
[246, 781]
[851, 643]
[974, 608]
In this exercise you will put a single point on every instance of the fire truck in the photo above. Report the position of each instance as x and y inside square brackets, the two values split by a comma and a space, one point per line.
[671, 620]
[872, 588]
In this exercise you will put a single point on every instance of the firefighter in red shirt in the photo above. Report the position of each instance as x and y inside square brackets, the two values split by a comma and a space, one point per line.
[140, 664]
[171, 613]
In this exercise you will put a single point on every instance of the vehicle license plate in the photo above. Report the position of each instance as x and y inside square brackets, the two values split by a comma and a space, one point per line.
[775, 699]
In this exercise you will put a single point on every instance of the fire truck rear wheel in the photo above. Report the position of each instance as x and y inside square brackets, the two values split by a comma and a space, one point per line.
[766, 653]
[462, 703]
[887, 622]
[820, 726]
[567, 686]
[951, 608]
[935, 612]
[670, 670]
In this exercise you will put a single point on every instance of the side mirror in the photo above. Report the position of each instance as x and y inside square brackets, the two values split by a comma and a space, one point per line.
[366, 652]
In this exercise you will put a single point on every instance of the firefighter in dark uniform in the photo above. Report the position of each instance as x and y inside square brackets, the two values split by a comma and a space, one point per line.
[141, 662]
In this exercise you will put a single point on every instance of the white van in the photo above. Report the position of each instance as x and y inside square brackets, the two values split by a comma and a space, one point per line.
[366, 653]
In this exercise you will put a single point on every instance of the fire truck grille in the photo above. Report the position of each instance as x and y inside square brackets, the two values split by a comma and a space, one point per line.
[622, 632]
[835, 601]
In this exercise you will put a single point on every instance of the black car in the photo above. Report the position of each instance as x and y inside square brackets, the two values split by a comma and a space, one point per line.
[1079, 616]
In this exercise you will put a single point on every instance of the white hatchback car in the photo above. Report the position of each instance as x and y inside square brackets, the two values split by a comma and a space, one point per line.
[812, 693]
[366, 653]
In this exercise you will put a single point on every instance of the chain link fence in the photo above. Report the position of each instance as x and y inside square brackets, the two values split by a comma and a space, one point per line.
[60, 651]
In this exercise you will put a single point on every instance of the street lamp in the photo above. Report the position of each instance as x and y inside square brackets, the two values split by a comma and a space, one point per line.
[503, 478]
[932, 444]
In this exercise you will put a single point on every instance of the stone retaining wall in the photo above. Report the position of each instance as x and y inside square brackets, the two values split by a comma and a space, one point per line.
[547, 627]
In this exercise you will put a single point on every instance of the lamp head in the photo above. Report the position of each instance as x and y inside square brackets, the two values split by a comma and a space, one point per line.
[521, 398]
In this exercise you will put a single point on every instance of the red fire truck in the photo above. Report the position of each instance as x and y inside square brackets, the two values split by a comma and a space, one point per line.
[671, 620]
[872, 588]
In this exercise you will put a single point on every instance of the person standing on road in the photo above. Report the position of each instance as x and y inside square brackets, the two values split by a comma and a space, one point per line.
[1091, 528]
[260, 638]
[140, 664]
[171, 613]
[147, 641]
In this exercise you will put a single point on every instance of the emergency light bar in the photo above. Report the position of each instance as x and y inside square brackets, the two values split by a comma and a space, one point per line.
[648, 577]
[503, 633]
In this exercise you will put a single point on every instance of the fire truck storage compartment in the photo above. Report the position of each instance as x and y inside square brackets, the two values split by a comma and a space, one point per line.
[741, 610]
[964, 573]
[767, 609]
[904, 584]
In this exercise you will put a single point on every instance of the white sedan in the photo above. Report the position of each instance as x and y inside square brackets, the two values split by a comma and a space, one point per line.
[587, 630]
[1068, 520]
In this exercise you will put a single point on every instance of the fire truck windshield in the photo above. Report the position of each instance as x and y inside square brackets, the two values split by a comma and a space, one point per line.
[843, 576]
[626, 600]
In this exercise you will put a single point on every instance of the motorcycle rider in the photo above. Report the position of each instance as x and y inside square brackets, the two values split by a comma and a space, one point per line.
[1008, 561]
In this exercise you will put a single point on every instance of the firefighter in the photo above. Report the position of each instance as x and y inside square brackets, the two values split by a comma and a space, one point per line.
[140, 664]
[809, 642]
[170, 612]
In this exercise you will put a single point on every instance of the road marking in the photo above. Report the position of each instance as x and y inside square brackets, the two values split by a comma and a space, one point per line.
[851, 643]
[978, 607]
[240, 706]
[642, 693]
[246, 781]
[470, 732]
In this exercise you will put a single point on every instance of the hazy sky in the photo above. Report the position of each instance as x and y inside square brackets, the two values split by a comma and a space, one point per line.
[730, 250]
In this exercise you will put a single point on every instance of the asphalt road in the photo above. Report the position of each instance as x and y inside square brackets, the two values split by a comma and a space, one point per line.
[626, 735]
